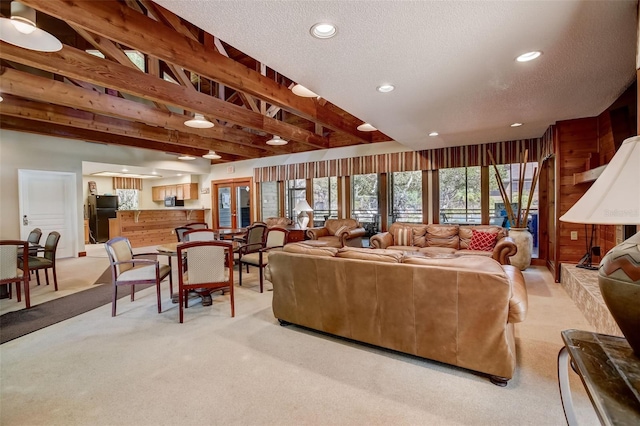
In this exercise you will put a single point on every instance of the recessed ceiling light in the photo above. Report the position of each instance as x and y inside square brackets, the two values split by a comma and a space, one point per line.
[154, 172]
[276, 140]
[125, 170]
[529, 56]
[516, 125]
[179, 174]
[323, 30]
[366, 127]
[434, 134]
[385, 88]
[211, 155]
[186, 157]
[300, 90]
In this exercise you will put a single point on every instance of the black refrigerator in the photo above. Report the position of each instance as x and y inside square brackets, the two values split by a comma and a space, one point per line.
[101, 209]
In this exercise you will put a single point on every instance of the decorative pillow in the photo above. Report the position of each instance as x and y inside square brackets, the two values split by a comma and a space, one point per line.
[340, 230]
[403, 237]
[483, 241]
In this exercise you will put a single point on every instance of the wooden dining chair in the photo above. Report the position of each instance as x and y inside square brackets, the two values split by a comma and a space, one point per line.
[253, 240]
[34, 241]
[48, 260]
[127, 270]
[206, 262]
[197, 225]
[199, 235]
[11, 272]
[180, 232]
[276, 239]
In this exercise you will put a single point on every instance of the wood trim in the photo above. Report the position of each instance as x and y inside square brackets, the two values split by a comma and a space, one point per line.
[484, 195]
[308, 193]
[383, 199]
[436, 199]
[234, 183]
[588, 175]
[258, 197]
[426, 193]
[347, 197]
[340, 194]
[281, 197]
[556, 189]
[82, 254]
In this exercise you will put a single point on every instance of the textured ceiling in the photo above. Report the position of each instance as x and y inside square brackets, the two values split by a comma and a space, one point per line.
[452, 62]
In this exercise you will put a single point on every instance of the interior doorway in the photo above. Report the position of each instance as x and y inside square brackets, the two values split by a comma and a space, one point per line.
[48, 201]
[232, 202]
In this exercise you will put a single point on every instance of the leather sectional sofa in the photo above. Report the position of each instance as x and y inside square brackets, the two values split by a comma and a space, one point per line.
[459, 311]
[446, 239]
[339, 233]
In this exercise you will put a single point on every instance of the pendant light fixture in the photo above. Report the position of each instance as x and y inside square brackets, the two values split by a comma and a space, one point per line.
[276, 141]
[198, 121]
[20, 30]
[211, 155]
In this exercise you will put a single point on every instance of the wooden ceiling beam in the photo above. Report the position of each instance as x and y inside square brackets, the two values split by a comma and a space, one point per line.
[47, 113]
[20, 124]
[75, 63]
[128, 27]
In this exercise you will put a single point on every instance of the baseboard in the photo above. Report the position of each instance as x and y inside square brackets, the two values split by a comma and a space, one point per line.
[82, 254]
[538, 262]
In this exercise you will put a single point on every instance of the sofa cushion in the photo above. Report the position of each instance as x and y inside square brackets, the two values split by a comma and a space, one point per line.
[437, 251]
[419, 229]
[443, 236]
[307, 249]
[466, 233]
[484, 241]
[474, 263]
[403, 236]
[380, 255]
[466, 252]
[403, 248]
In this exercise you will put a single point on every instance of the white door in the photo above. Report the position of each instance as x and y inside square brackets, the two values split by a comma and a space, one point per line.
[48, 201]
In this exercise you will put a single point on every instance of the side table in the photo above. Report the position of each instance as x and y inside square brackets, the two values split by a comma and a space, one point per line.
[610, 372]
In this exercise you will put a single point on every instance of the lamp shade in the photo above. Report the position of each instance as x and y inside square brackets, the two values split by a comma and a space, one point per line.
[614, 198]
[303, 206]
[211, 155]
[198, 122]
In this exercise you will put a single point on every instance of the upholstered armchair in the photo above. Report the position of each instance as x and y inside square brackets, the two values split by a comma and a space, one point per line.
[339, 233]
[280, 222]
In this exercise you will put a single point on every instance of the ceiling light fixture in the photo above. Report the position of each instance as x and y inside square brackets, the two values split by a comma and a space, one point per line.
[21, 30]
[211, 155]
[529, 56]
[302, 91]
[385, 88]
[323, 30]
[1, 98]
[186, 157]
[516, 125]
[366, 127]
[432, 134]
[198, 122]
[276, 140]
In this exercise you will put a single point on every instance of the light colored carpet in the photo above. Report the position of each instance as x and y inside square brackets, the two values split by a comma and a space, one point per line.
[141, 368]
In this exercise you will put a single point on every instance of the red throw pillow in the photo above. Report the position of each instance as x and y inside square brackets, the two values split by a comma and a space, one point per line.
[483, 241]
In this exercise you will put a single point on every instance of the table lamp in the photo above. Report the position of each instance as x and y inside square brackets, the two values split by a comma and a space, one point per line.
[303, 218]
[614, 199]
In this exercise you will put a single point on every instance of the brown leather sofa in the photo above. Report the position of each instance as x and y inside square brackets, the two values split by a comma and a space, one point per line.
[281, 222]
[459, 311]
[446, 239]
[349, 236]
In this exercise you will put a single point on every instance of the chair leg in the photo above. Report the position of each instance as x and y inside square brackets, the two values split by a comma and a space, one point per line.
[240, 273]
[46, 275]
[113, 300]
[159, 301]
[180, 301]
[27, 298]
[18, 291]
[38, 276]
[261, 278]
[133, 292]
[55, 278]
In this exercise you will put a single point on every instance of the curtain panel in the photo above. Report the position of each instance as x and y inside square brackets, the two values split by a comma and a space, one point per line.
[429, 159]
[127, 183]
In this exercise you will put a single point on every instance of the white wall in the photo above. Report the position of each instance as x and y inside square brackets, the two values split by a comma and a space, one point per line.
[34, 152]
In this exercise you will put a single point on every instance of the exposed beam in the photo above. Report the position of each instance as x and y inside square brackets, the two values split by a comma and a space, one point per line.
[75, 63]
[47, 113]
[34, 87]
[168, 18]
[126, 26]
[28, 126]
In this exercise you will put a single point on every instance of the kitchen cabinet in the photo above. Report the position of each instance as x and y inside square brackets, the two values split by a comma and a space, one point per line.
[183, 191]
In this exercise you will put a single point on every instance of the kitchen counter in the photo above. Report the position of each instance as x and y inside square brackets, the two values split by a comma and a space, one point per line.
[150, 227]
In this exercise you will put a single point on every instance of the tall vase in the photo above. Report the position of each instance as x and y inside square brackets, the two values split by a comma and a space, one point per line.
[524, 242]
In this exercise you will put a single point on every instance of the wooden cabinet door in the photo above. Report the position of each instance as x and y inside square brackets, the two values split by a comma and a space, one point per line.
[190, 191]
[157, 193]
[180, 192]
[170, 191]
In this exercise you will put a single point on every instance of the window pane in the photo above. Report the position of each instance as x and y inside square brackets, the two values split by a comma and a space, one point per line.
[325, 199]
[407, 196]
[365, 201]
[269, 204]
[460, 195]
[296, 190]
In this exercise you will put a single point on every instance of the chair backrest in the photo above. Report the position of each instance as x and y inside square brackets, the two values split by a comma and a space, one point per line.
[51, 245]
[206, 261]
[277, 221]
[34, 236]
[199, 235]
[9, 251]
[180, 232]
[197, 225]
[276, 237]
[256, 233]
[119, 250]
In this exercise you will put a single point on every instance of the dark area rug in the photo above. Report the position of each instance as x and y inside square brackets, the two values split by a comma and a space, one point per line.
[18, 323]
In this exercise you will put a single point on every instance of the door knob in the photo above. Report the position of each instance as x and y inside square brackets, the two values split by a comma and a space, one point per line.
[25, 221]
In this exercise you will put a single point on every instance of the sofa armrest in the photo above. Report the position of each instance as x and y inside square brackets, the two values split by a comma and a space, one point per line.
[315, 233]
[519, 301]
[381, 240]
[504, 249]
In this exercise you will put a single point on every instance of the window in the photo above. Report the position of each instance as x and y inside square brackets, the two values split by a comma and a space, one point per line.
[296, 190]
[406, 196]
[365, 201]
[460, 195]
[127, 199]
[270, 199]
[325, 199]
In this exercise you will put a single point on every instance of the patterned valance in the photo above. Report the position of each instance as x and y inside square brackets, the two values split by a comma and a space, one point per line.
[127, 183]
[428, 159]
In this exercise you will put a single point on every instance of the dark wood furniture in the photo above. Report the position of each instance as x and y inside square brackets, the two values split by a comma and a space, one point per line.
[609, 371]
[295, 234]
